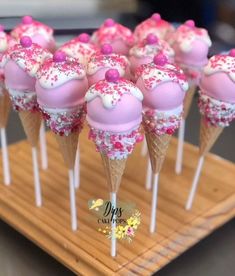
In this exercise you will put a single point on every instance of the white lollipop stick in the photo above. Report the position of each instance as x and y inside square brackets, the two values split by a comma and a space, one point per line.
[144, 148]
[194, 184]
[180, 148]
[77, 169]
[5, 158]
[73, 209]
[43, 147]
[37, 185]
[113, 226]
[148, 184]
[154, 203]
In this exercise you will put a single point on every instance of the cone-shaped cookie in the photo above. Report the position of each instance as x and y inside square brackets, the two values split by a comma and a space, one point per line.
[157, 148]
[31, 122]
[68, 147]
[114, 170]
[188, 100]
[5, 105]
[208, 136]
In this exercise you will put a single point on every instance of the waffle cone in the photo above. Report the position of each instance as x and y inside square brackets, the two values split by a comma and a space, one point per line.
[208, 136]
[68, 147]
[114, 170]
[31, 122]
[157, 148]
[5, 104]
[188, 100]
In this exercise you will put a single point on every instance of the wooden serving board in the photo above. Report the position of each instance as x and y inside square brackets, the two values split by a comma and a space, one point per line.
[86, 251]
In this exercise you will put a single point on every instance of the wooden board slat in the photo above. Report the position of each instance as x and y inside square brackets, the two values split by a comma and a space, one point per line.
[86, 251]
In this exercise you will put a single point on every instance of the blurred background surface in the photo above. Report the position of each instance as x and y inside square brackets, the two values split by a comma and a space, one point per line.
[214, 255]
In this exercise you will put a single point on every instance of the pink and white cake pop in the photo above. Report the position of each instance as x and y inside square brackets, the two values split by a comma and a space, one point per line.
[155, 25]
[217, 86]
[101, 62]
[80, 48]
[114, 114]
[20, 64]
[191, 46]
[163, 86]
[144, 51]
[61, 86]
[119, 36]
[40, 33]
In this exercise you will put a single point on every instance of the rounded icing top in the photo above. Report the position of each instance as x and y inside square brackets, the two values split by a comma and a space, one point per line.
[79, 49]
[156, 25]
[218, 78]
[112, 60]
[59, 70]
[160, 71]
[111, 31]
[31, 27]
[106, 49]
[112, 89]
[151, 46]
[27, 55]
[222, 64]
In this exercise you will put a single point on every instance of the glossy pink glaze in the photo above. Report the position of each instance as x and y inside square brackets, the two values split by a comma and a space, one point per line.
[165, 96]
[136, 62]
[124, 117]
[120, 47]
[218, 86]
[16, 78]
[70, 94]
[40, 40]
[196, 57]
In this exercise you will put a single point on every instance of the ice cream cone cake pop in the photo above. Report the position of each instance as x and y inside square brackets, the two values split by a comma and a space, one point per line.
[80, 48]
[40, 33]
[61, 86]
[163, 86]
[20, 64]
[191, 45]
[114, 115]
[144, 52]
[216, 105]
[101, 62]
[119, 36]
[155, 25]
[5, 42]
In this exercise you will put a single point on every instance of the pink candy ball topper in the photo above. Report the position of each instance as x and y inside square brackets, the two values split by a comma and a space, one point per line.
[26, 41]
[85, 38]
[156, 17]
[160, 60]
[112, 75]
[59, 56]
[27, 19]
[190, 23]
[109, 22]
[106, 49]
[151, 39]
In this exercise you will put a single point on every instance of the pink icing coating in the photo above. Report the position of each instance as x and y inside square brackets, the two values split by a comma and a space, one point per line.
[218, 86]
[70, 94]
[155, 25]
[218, 78]
[165, 96]
[117, 35]
[137, 62]
[16, 78]
[232, 53]
[125, 116]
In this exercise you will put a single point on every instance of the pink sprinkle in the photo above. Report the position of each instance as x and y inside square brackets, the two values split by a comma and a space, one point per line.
[160, 59]
[85, 38]
[106, 49]
[117, 145]
[27, 19]
[109, 22]
[151, 39]
[190, 23]
[112, 75]
[170, 131]
[59, 56]
[25, 41]
[140, 138]
[156, 17]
